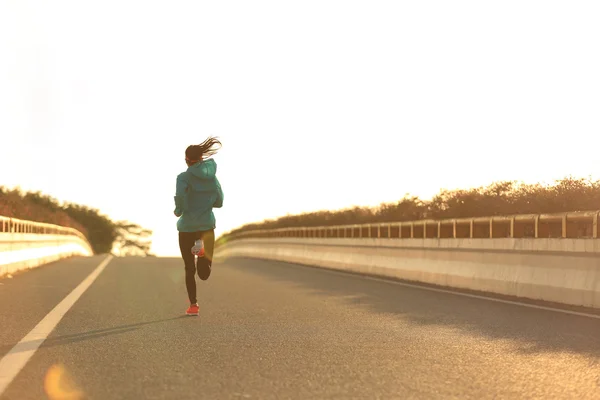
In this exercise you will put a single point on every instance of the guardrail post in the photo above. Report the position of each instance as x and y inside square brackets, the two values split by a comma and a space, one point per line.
[536, 228]
[370, 231]
[424, 229]
[512, 227]
[595, 226]
[491, 227]
[389, 231]
[439, 229]
[472, 228]
[564, 226]
[454, 228]
[379, 231]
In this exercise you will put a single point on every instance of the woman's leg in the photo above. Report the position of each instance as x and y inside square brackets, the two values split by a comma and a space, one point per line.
[205, 263]
[186, 241]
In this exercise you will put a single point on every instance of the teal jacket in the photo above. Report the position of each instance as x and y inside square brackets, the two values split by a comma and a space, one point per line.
[197, 192]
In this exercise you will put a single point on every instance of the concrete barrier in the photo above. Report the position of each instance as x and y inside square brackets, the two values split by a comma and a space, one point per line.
[26, 244]
[557, 270]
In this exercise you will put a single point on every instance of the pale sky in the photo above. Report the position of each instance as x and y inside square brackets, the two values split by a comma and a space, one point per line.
[319, 104]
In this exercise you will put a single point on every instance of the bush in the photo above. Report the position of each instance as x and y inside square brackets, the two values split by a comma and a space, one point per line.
[499, 198]
[102, 233]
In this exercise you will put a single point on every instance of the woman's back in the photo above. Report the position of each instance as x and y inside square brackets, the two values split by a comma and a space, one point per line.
[198, 192]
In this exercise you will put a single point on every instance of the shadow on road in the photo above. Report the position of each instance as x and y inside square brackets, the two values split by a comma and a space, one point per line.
[78, 337]
[531, 330]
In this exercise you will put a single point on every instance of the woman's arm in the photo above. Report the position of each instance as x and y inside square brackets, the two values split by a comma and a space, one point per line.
[180, 189]
[219, 201]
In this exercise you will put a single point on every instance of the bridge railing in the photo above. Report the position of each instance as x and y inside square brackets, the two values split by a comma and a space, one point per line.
[15, 225]
[548, 257]
[28, 244]
[576, 224]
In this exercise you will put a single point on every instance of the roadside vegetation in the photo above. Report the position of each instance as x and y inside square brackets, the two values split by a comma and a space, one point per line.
[104, 235]
[498, 198]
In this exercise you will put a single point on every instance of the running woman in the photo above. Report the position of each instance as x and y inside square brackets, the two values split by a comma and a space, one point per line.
[197, 192]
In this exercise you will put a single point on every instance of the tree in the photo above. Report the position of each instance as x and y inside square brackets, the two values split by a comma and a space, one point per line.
[132, 239]
[103, 234]
[498, 198]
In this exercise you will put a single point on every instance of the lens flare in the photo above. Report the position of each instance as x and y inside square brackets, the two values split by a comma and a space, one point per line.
[59, 385]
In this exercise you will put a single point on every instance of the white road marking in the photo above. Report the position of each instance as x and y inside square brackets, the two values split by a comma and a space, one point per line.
[14, 361]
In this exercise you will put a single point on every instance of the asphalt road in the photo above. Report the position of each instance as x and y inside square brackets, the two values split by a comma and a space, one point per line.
[271, 330]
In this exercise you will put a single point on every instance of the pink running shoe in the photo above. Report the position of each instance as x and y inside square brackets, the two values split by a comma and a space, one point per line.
[193, 309]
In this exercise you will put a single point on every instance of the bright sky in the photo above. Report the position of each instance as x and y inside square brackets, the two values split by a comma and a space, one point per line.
[319, 104]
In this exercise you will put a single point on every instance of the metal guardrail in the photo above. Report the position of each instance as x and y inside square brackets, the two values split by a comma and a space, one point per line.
[564, 225]
[15, 225]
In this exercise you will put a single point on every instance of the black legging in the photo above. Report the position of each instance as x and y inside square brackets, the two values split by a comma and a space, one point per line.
[186, 242]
